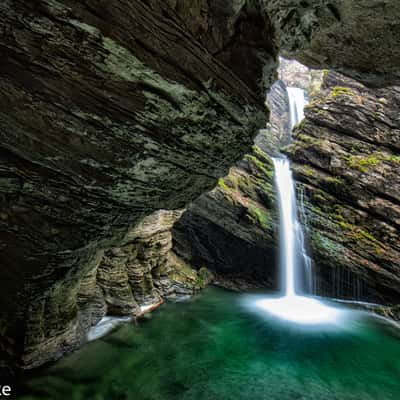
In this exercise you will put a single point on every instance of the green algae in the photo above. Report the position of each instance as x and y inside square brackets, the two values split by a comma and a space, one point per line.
[334, 180]
[364, 163]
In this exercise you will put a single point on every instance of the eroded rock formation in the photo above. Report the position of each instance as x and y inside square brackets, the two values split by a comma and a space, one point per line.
[110, 111]
[232, 229]
[141, 271]
[359, 38]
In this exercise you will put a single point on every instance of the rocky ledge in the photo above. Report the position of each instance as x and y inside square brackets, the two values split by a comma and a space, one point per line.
[141, 272]
[359, 38]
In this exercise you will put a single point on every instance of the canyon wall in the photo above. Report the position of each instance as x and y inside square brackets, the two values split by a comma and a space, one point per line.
[346, 160]
[141, 272]
[358, 38]
[347, 157]
[109, 112]
[232, 229]
[113, 110]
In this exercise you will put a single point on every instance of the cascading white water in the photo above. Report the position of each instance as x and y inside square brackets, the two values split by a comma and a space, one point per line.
[287, 211]
[292, 306]
[294, 258]
[297, 102]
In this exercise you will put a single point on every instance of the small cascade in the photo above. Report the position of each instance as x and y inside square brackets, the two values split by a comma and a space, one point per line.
[341, 283]
[287, 209]
[309, 282]
[297, 102]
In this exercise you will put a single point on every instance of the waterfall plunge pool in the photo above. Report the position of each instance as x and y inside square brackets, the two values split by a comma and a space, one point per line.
[220, 345]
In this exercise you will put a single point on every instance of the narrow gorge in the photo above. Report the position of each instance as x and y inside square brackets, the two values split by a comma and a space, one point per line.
[151, 154]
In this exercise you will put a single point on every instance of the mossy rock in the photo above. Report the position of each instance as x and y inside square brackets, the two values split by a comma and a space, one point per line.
[341, 91]
[260, 215]
[204, 277]
[364, 163]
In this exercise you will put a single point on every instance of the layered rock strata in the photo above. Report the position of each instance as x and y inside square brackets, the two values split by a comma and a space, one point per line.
[232, 229]
[141, 272]
[346, 154]
[359, 38]
[109, 112]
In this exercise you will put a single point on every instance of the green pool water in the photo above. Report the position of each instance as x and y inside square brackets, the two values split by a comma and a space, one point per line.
[217, 345]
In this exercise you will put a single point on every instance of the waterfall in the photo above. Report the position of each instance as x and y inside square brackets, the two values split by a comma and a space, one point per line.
[293, 256]
[292, 306]
[296, 264]
[287, 211]
[297, 102]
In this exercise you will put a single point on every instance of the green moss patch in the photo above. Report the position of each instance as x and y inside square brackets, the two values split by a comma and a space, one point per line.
[341, 91]
[260, 216]
[364, 163]
[334, 180]
[357, 234]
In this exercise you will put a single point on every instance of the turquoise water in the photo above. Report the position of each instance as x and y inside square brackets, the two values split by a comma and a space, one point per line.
[217, 346]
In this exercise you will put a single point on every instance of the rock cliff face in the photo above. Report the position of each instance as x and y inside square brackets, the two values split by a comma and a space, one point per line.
[141, 271]
[232, 229]
[346, 154]
[110, 111]
[291, 74]
[278, 129]
[359, 38]
[346, 161]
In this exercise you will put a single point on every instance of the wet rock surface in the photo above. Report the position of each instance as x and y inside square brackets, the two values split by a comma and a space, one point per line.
[109, 112]
[346, 154]
[278, 129]
[232, 229]
[142, 272]
[358, 38]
